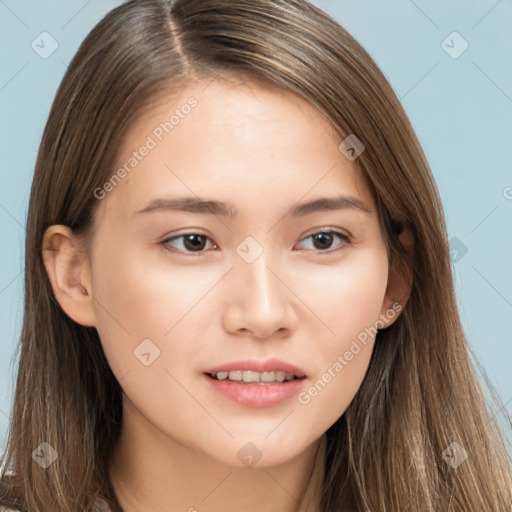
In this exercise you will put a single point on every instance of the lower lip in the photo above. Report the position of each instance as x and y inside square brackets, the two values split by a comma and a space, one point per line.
[257, 395]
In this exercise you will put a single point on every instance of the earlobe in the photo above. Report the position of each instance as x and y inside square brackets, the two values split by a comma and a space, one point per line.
[400, 279]
[68, 270]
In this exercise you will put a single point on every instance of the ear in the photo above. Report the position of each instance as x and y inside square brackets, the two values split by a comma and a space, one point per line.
[69, 274]
[399, 282]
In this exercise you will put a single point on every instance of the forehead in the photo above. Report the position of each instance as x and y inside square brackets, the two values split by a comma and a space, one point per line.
[229, 139]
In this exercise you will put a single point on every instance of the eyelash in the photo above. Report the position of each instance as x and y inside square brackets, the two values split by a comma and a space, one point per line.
[343, 236]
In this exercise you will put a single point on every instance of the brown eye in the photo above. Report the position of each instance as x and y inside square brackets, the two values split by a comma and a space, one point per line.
[323, 241]
[189, 242]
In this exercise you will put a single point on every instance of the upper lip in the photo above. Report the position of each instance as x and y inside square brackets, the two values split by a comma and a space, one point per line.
[255, 365]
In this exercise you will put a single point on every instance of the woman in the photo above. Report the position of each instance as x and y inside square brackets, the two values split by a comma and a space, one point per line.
[189, 342]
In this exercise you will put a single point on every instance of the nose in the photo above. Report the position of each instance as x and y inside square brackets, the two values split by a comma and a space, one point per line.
[259, 302]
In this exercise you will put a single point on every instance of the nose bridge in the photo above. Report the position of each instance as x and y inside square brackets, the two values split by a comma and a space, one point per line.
[259, 299]
[261, 282]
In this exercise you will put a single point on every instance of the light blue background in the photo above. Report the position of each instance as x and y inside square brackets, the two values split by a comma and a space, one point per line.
[460, 108]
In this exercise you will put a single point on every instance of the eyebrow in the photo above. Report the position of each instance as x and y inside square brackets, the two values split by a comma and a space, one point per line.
[220, 208]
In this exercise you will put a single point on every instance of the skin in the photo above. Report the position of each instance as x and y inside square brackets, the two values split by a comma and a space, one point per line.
[264, 151]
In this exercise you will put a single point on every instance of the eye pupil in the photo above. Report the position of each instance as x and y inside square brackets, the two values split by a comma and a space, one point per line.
[325, 238]
[194, 241]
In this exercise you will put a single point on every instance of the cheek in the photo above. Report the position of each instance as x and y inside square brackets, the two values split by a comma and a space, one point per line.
[137, 300]
[348, 302]
[347, 297]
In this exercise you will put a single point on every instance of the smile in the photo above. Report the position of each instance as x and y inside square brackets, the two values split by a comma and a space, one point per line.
[249, 377]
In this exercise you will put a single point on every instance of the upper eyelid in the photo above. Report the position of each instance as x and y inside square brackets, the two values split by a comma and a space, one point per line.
[335, 231]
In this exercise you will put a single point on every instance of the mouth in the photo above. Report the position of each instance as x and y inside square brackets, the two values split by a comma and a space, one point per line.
[253, 377]
[256, 384]
[254, 371]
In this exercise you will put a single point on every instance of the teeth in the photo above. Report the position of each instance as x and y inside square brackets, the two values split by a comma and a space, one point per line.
[280, 376]
[250, 376]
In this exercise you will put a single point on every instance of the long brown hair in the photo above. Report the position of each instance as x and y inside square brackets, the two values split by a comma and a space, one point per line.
[421, 392]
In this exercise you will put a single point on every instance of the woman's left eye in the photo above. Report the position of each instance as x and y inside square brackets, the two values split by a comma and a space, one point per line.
[325, 238]
[196, 242]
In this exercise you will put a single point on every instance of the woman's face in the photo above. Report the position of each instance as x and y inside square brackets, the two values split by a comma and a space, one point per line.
[180, 289]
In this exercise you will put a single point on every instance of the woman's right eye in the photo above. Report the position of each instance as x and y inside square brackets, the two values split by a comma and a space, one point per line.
[190, 242]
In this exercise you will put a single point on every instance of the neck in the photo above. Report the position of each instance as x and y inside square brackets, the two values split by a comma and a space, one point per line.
[149, 471]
